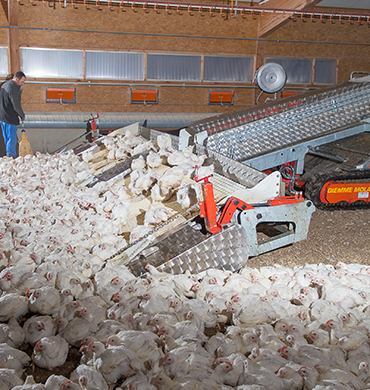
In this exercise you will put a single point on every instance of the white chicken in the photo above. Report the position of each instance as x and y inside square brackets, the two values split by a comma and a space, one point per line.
[55, 382]
[153, 160]
[138, 232]
[88, 376]
[37, 327]
[143, 343]
[12, 358]
[30, 384]
[343, 296]
[292, 380]
[187, 194]
[138, 163]
[12, 333]
[114, 362]
[44, 300]
[165, 144]
[74, 330]
[156, 215]
[155, 194]
[171, 180]
[50, 352]
[12, 305]
[9, 378]
[252, 313]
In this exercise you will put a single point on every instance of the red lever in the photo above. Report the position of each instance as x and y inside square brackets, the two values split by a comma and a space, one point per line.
[208, 208]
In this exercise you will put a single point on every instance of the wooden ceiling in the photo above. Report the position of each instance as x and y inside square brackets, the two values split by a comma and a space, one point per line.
[270, 22]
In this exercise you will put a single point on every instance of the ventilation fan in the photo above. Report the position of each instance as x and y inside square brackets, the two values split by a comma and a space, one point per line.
[270, 77]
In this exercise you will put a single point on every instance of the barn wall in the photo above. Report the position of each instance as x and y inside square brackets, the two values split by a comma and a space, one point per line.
[49, 25]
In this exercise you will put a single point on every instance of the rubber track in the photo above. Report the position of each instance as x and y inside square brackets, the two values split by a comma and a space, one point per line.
[314, 185]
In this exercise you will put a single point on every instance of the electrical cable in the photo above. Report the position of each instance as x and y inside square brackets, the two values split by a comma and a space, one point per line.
[287, 172]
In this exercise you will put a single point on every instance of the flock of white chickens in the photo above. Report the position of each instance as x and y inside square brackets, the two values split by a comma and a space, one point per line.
[279, 328]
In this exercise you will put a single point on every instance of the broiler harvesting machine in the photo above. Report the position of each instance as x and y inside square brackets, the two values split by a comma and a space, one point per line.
[319, 140]
[246, 208]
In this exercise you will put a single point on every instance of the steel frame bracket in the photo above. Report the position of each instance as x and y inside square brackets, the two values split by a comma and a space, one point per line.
[291, 220]
[298, 152]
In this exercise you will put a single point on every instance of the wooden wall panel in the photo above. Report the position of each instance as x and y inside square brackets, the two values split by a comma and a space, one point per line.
[117, 99]
[357, 36]
[145, 23]
[199, 33]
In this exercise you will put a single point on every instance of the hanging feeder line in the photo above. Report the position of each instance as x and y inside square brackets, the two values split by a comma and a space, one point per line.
[221, 9]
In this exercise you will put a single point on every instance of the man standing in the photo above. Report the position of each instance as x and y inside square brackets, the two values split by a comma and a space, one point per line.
[11, 110]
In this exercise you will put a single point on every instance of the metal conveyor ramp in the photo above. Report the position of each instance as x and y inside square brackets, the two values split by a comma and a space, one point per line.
[274, 129]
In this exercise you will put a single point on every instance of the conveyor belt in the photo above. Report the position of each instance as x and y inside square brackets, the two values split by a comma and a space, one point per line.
[257, 131]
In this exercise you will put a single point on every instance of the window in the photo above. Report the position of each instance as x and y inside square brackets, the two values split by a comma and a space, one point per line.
[52, 63]
[325, 72]
[114, 65]
[174, 67]
[4, 68]
[298, 70]
[228, 69]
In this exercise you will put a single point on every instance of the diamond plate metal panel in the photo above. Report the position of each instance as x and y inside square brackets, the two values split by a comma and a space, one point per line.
[189, 249]
[227, 250]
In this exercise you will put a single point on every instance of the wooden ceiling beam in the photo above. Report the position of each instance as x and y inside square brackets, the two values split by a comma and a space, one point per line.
[13, 36]
[4, 4]
[271, 22]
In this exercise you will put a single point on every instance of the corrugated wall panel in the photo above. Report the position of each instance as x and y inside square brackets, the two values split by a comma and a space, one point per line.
[175, 67]
[4, 67]
[52, 63]
[114, 65]
[298, 70]
[231, 69]
[325, 71]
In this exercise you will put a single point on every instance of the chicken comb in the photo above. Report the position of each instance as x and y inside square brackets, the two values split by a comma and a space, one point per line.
[328, 322]
[83, 346]
[38, 343]
[229, 364]
[92, 342]
[283, 348]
